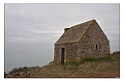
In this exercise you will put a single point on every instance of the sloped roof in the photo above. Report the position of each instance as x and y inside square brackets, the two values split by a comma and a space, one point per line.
[74, 33]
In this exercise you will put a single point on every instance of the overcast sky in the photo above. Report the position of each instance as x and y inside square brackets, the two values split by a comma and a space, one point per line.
[32, 29]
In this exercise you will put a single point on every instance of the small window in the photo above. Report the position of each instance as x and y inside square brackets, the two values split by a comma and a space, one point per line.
[96, 47]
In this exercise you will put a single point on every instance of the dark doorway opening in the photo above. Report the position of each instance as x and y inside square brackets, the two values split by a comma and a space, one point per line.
[62, 55]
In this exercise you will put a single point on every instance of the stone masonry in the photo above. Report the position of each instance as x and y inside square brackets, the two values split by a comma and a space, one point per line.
[84, 40]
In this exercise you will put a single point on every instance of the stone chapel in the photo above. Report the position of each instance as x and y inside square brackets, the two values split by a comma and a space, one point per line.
[83, 40]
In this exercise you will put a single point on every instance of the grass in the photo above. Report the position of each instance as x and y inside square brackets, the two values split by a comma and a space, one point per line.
[72, 63]
[89, 59]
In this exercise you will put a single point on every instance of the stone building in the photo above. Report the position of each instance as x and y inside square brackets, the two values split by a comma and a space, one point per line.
[83, 40]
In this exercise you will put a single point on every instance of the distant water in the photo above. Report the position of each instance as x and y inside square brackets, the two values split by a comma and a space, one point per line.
[20, 55]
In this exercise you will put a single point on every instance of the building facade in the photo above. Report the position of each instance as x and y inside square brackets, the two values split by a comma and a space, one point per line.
[83, 40]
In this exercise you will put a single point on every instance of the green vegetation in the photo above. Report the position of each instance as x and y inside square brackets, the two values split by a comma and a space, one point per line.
[21, 69]
[72, 63]
[89, 59]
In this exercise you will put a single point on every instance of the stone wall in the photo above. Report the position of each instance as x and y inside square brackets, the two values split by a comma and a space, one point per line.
[94, 43]
[70, 52]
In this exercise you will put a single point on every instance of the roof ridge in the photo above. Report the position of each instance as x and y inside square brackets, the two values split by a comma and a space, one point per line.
[87, 22]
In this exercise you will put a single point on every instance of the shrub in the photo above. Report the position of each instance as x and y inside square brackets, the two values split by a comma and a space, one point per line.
[88, 59]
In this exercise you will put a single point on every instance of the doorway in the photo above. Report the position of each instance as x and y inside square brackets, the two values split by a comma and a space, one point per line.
[62, 55]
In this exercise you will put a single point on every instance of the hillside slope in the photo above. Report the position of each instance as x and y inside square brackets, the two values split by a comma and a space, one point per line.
[106, 67]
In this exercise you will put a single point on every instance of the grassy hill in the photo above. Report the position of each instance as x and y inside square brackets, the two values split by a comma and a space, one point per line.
[105, 67]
